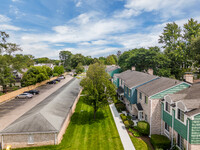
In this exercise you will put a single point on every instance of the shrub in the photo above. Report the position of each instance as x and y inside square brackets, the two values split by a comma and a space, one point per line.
[124, 118]
[120, 107]
[143, 127]
[55, 74]
[134, 132]
[160, 142]
[129, 117]
[128, 123]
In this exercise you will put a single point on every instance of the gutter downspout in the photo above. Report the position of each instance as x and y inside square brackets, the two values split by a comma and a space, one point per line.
[188, 134]
[172, 128]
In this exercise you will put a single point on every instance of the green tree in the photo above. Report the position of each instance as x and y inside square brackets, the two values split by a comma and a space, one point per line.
[175, 49]
[76, 59]
[65, 58]
[34, 75]
[58, 70]
[6, 76]
[102, 60]
[110, 60]
[88, 60]
[98, 87]
[195, 46]
[79, 68]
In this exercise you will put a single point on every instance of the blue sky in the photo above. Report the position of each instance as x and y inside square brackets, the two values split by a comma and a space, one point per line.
[90, 27]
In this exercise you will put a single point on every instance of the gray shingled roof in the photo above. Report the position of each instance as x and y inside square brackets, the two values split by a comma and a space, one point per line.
[50, 114]
[111, 68]
[158, 85]
[135, 78]
[190, 97]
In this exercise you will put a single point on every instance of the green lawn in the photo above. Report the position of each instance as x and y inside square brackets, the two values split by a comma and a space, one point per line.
[83, 133]
[139, 144]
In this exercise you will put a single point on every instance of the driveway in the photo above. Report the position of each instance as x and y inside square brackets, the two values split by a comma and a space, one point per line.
[13, 109]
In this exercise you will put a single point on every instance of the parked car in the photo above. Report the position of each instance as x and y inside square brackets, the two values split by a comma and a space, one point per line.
[33, 92]
[57, 80]
[24, 95]
[51, 82]
[61, 77]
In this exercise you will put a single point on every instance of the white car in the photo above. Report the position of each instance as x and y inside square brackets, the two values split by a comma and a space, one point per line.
[24, 95]
[61, 77]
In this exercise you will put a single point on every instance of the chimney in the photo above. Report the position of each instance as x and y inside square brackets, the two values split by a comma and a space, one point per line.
[189, 77]
[150, 71]
[133, 68]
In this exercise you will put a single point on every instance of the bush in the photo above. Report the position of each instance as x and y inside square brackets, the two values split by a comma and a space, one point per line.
[120, 107]
[55, 74]
[124, 118]
[143, 127]
[128, 123]
[160, 142]
[129, 117]
[134, 132]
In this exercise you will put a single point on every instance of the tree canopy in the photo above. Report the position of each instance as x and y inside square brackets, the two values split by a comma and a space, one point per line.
[98, 87]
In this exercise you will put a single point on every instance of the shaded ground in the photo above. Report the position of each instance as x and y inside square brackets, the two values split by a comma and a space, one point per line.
[83, 133]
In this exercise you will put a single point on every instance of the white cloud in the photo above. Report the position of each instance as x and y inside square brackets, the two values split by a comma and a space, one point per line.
[9, 27]
[165, 8]
[4, 19]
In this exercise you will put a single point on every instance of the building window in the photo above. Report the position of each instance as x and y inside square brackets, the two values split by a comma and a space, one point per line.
[166, 127]
[145, 117]
[140, 115]
[167, 107]
[180, 115]
[180, 142]
[146, 99]
[30, 139]
[140, 95]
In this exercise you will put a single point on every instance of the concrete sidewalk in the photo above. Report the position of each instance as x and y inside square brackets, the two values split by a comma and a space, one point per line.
[126, 141]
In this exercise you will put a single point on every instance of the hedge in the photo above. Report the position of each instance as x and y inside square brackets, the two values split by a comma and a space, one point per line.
[160, 141]
[143, 127]
[120, 107]
[128, 123]
[123, 117]
[134, 132]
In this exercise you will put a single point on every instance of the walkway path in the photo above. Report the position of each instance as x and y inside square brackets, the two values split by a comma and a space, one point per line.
[126, 141]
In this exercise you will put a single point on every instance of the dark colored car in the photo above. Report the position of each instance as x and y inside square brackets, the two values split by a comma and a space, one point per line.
[51, 82]
[34, 92]
[57, 80]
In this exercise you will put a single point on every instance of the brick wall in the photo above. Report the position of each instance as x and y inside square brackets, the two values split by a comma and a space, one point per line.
[21, 140]
[155, 116]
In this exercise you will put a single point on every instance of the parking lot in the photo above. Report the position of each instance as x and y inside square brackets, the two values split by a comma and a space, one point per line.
[16, 102]
[11, 110]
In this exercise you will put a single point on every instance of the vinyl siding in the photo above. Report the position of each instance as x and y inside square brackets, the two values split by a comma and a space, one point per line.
[111, 73]
[170, 91]
[195, 130]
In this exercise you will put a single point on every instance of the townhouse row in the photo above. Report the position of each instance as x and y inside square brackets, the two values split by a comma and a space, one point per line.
[171, 107]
